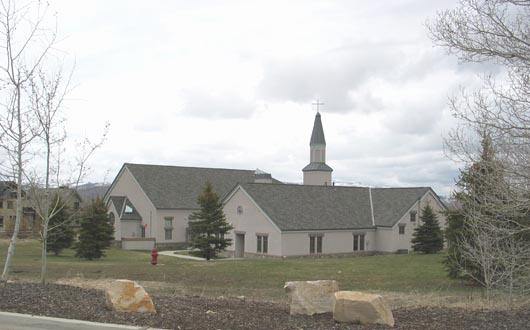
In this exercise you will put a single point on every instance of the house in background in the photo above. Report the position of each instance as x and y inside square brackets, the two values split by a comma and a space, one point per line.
[150, 204]
[29, 226]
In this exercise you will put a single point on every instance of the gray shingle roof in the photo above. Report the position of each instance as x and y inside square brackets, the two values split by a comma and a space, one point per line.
[390, 204]
[299, 207]
[317, 136]
[176, 187]
[118, 202]
[317, 167]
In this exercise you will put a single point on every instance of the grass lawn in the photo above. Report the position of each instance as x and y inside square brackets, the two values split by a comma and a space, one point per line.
[262, 279]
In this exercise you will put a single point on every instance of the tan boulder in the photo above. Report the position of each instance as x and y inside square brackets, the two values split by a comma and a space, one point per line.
[311, 297]
[361, 307]
[128, 296]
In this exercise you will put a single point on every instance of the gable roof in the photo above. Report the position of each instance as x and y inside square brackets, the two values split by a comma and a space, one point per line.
[177, 187]
[296, 207]
[120, 204]
[390, 204]
[302, 207]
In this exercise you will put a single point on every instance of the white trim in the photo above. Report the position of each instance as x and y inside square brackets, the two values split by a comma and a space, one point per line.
[113, 184]
[231, 194]
[371, 205]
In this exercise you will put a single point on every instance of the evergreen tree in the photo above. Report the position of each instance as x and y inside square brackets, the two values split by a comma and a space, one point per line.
[60, 232]
[428, 238]
[96, 232]
[481, 189]
[208, 226]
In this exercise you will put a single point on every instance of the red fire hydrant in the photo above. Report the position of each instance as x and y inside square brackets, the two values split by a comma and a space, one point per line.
[154, 256]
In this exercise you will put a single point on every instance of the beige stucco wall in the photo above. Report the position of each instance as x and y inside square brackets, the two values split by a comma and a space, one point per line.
[250, 221]
[130, 228]
[389, 240]
[138, 244]
[126, 185]
[317, 178]
[180, 224]
[297, 243]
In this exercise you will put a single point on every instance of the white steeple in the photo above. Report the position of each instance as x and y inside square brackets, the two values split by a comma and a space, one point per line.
[317, 172]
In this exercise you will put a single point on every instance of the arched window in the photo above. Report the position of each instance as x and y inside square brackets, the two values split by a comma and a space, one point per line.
[112, 218]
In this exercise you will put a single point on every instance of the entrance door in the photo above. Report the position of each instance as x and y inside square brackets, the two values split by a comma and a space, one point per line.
[240, 246]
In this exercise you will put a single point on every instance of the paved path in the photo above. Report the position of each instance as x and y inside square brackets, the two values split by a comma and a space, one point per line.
[13, 321]
[182, 256]
[185, 256]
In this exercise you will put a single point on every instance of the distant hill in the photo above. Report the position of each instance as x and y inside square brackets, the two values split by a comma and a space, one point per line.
[90, 191]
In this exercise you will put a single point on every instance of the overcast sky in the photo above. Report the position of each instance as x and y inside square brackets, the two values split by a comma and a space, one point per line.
[231, 84]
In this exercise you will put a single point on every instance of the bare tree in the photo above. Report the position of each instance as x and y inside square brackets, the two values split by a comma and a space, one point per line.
[496, 207]
[34, 132]
[20, 38]
[47, 93]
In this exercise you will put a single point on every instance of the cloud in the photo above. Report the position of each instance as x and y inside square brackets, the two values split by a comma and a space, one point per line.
[330, 76]
[348, 78]
[225, 104]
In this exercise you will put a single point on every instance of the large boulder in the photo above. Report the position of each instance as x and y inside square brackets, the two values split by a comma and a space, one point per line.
[311, 297]
[128, 296]
[361, 307]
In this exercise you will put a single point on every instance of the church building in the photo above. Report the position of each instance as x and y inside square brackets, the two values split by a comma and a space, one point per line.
[150, 204]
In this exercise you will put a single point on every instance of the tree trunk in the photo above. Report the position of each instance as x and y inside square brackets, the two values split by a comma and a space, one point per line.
[43, 253]
[18, 214]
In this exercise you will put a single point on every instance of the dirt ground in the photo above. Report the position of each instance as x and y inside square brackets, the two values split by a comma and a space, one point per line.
[194, 312]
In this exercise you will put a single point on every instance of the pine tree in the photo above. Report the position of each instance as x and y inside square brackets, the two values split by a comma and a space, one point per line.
[427, 238]
[96, 232]
[208, 226]
[60, 232]
[477, 196]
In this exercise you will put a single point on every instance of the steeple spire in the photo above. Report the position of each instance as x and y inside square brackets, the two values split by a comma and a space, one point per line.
[317, 137]
[317, 172]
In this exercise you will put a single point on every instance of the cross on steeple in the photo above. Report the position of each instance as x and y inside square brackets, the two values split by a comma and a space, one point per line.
[318, 104]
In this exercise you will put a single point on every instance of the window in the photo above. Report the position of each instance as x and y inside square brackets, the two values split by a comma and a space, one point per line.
[9, 204]
[169, 222]
[413, 216]
[168, 233]
[76, 206]
[142, 231]
[358, 242]
[263, 243]
[1, 221]
[112, 218]
[402, 229]
[128, 209]
[1, 204]
[168, 228]
[315, 244]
